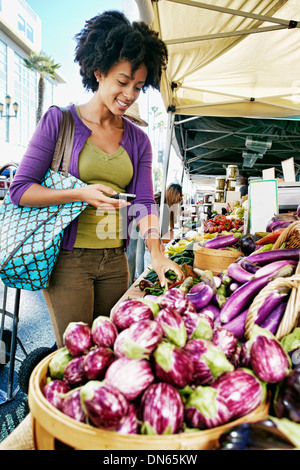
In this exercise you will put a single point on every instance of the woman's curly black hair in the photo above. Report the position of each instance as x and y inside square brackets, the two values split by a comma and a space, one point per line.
[109, 38]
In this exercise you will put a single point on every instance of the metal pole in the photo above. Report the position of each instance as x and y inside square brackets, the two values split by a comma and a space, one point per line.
[171, 118]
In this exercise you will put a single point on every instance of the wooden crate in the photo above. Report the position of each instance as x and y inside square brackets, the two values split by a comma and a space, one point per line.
[214, 260]
[52, 430]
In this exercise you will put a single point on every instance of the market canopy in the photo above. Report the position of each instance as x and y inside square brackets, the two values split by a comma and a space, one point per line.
[237, 60]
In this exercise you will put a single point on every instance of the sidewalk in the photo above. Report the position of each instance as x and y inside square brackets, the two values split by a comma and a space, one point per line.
[34, 331]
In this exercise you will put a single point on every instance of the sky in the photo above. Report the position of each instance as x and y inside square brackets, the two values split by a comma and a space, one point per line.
[61, 20]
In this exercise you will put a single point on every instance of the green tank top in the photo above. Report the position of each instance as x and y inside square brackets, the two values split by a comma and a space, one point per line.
[99, 228]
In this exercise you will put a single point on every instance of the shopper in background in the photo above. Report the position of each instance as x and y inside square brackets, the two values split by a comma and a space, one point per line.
[173, 197]
[136, 248]
[117, 60]
[244, 186]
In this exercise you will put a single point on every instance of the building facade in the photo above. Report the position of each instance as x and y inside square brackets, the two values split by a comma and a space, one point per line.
[20, 34]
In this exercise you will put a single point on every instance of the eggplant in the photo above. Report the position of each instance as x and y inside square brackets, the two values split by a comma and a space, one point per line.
[72, 406]
[200, 295]
[173, 365]
[221, 241]
[242, 391]
[104, 332]
[209, 361]
[130, 311]
[261, 435]
[275, 298]
[58, 363]
[54, 390]
[225, 340]
[105, 406]
[197, 325]
[130, 424]
[272, 322]
[237, 324]
[173, 326]
[241, 299]
[139, 340]
[247, 244]
[162, 410]
[268, 360]
[96, 362]
[175, 299]
[272, 268]
[266, 257]
[236, 272]
[211, 310]
[74, 372]
[287, 397]
[130, 376]
[77, 338]
[205, 408]
[298, 211]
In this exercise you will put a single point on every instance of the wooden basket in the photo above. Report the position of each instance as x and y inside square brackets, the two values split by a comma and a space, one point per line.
[214, 260]
[53, 430]
[290, 319]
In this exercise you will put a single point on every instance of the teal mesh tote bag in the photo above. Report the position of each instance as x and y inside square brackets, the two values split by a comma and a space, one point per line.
[30, 238]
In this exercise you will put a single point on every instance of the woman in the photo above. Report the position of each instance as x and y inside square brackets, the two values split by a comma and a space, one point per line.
[117, 60]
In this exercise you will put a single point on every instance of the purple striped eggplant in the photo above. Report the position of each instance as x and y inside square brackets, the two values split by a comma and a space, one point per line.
[54, 390]
[72, 406]
[105, 406]
[130, 376]
[268, 360]
[175, 299]
[74, 372]
[200, 295]
[208, 361]
[205, 408]
[130, 311]
[173, 326]
[225, 340]
[78, 338]
[162, 410]
[59, 362]
[139, 340]
[242, 391]
[211, 310]
[130, 424]
[198, 325]
[96, 362]
[104, 332]
[172, 365]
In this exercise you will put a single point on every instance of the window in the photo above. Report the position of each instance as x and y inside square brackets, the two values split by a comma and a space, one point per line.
[3, 83]
[21, 24]
[25, 93]
[29, 32]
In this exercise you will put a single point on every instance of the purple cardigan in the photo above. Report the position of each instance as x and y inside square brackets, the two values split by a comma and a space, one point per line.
[38, 156]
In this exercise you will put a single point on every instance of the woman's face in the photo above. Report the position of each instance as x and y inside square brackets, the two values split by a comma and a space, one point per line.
[119, 89]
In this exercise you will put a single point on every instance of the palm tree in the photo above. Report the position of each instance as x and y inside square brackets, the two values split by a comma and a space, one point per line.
[44, 65]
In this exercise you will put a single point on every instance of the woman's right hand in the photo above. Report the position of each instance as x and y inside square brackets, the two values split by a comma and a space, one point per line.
[95, 195]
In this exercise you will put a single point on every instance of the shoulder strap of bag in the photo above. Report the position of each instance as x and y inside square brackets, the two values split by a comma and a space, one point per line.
[64, 144]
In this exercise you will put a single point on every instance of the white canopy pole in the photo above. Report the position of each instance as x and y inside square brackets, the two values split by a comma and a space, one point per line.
[167, 151]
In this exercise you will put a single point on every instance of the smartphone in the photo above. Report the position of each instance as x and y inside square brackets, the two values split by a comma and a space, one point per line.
[126, 196]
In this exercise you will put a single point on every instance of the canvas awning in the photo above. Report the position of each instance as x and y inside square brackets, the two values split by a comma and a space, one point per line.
[235, 66]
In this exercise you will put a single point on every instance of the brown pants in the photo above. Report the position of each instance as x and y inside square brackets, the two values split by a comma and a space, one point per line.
[84, 284]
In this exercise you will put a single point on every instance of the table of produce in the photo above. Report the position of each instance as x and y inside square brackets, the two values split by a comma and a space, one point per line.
[188, 358]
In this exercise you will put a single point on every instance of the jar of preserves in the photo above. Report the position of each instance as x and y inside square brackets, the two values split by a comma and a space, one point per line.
[232, 171]
[231, 184]
[219, 196]
[220, 183]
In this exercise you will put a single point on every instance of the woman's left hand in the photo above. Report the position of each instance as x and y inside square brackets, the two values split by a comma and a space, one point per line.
[161, 265]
